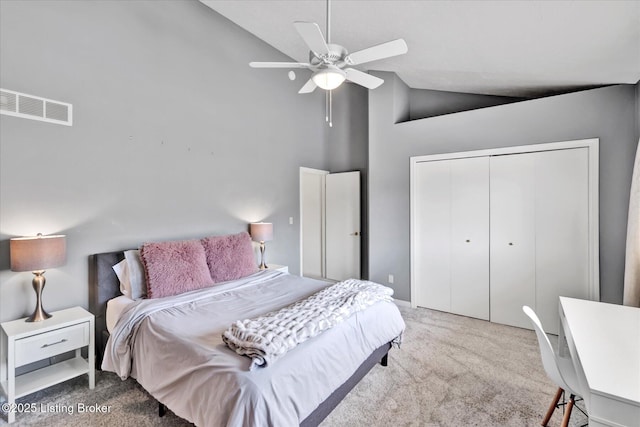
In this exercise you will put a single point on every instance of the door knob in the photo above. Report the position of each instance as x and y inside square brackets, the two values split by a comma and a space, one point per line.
[510, 243]
[355, 233]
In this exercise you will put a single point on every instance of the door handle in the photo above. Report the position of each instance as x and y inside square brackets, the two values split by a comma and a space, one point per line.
[356, 233]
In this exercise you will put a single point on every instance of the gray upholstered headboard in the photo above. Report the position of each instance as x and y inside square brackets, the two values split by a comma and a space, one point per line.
[103, 286]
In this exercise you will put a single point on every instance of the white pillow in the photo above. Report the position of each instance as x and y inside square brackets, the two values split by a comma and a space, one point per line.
[122, 271]
[130, 272]
[137, 278]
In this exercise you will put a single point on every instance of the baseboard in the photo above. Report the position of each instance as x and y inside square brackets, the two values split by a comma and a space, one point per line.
[402, 303]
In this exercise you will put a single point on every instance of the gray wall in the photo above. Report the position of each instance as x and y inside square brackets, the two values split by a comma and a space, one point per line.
[606, 113]
[348, 139]
[174, 135]
[430, 103]
[348, 144]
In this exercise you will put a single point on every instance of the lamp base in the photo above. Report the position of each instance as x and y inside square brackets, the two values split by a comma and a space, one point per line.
[38, 283]
[262, 266]
[38, 315]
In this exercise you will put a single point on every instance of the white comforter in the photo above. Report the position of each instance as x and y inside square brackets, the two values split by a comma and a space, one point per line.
[173, 347]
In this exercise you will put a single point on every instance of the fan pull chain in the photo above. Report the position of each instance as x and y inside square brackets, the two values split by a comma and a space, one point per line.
[330, 108]
[326, 106]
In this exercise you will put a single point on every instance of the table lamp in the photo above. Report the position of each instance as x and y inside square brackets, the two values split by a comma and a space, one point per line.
[36, 254]
[261, 232]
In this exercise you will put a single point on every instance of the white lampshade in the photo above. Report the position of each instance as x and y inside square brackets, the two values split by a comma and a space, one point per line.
[329, 78]
[261, 231]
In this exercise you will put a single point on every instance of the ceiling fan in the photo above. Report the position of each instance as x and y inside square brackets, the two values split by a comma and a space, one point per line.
[331, 63]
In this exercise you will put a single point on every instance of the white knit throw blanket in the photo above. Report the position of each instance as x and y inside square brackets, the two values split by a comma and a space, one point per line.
[268, 337]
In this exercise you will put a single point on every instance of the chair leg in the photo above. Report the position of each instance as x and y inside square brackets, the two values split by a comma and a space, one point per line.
[552, 407]
[567, 413]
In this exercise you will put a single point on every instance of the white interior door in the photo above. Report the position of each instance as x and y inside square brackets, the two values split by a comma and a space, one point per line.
[312, 200]
[512, 252]
[342, 225]
[470, 237]
[543, 230]
[451, 232]
[432, 234]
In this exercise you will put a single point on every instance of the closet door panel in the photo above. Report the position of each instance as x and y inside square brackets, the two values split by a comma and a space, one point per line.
[512, 248]
[562, 230]
[470, 237]
[432, 234]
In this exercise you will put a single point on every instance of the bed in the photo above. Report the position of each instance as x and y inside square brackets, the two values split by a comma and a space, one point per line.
[175, 349]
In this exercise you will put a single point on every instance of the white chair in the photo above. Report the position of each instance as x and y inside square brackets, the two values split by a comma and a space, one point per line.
[559, 369]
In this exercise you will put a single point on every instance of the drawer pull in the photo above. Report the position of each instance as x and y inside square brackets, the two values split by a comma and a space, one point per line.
[54, 343]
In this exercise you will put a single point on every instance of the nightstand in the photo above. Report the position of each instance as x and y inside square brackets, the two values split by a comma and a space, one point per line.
[283, 268]
[23, 342]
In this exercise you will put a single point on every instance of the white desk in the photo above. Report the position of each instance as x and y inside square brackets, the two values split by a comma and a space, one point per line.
[604, 342]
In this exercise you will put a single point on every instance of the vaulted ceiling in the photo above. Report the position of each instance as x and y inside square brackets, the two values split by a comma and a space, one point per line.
[510, 48]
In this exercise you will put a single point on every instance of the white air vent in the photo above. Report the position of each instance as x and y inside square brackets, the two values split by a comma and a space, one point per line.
[36, 108]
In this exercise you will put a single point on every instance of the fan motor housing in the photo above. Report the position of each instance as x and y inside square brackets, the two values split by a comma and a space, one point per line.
[336, 56]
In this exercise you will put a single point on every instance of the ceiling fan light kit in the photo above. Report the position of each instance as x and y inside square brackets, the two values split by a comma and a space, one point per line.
[328, 61]
[329, 78]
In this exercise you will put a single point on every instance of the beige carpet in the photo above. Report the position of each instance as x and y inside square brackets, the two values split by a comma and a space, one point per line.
[455, 371]
[450, 371]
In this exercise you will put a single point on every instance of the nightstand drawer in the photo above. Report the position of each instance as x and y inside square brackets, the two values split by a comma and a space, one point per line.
[51, 343]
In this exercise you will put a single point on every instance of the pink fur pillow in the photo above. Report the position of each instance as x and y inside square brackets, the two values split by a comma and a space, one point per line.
[229, 257]
[173, 268]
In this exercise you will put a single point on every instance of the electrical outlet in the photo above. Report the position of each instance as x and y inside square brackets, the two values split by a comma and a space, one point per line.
[390, 278]
[290, 220]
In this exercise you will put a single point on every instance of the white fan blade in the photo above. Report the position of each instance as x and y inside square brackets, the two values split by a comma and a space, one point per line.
[363, 79]
[312, 36]
[381, 51]
[308, 87]
[278, 65]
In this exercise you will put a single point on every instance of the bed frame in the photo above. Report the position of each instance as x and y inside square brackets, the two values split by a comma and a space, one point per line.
[104, 285]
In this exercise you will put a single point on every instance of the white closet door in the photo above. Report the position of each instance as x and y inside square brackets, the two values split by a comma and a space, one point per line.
[432, 211]
[470, 237]
[562, 230]
[512, 253]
